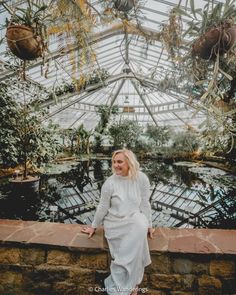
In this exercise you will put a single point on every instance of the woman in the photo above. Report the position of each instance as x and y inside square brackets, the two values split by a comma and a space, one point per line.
[125, 211]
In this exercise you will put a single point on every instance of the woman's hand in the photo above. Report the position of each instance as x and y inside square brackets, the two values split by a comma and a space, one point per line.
[88, 230]
[151, 231]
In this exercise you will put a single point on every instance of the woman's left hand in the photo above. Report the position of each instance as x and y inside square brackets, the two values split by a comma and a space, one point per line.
[88, 230]
[151, 231]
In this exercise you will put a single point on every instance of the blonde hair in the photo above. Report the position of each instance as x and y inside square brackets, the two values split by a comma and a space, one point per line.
[131, 160]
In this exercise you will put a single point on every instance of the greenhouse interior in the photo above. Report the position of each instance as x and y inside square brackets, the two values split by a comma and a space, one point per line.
[81, 79]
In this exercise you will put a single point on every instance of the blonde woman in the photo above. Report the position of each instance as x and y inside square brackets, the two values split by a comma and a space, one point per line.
[125, 212]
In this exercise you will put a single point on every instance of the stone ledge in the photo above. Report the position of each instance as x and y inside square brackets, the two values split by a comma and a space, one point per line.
[198, 241]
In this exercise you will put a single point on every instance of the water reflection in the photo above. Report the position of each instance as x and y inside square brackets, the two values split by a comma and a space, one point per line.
[77, 177]
[182, 195]
[191, 195]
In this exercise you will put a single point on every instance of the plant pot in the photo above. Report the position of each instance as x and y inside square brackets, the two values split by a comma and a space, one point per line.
[216, 40]
[223, 106]
[124, 5]
[25, 187]
[23, 42]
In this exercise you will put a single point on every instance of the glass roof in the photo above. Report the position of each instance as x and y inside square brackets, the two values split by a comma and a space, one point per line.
[140, 78]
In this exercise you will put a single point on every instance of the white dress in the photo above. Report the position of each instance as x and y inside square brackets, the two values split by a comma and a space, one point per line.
[125, 211]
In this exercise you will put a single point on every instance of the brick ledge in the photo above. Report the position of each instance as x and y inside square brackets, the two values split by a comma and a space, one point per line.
[197, 241]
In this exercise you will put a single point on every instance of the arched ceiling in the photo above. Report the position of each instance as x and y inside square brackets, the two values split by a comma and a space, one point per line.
[141, 75]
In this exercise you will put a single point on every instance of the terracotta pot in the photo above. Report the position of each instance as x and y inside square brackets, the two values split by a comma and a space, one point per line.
[23, 43]
[124, 5]
[216, 39]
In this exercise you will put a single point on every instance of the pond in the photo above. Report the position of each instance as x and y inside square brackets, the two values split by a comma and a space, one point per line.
[184, 194]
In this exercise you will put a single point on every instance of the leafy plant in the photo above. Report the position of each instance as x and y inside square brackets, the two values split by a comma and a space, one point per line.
[64, 88]
[171, 34]
[186, 141]
[105, 113]
[97, 76]
[201, 19]
[33, 15]
[125, 133]
[73, 23]
[83, 139]
[211, 82]
[158, 134]
[24, 139]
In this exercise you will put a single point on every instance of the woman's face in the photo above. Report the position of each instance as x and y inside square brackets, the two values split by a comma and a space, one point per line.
[120, 165]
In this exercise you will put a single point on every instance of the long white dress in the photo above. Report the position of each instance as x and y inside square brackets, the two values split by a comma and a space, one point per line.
[125, 211]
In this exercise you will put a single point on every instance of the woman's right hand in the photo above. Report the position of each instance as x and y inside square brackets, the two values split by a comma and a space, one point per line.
[88, 230]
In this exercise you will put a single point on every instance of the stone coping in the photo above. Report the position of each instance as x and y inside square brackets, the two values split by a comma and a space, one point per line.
[198, 241]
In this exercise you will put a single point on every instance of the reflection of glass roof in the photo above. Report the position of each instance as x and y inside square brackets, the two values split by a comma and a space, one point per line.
[141, 76]
[186, 195]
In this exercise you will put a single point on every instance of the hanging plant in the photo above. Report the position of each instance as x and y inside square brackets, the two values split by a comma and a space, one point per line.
[26, 31]
[124, 5]
[23, 43]
[120, 9]
[214, 24]
[217, 40]
[171, 34]
[210, 65]
[73, 26]
[208, 62]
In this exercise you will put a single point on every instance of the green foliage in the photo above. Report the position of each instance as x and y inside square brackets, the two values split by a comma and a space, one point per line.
[125, 133]
[63, 89]
[97, 75]
[24, 139]
[36, 15]
[210, 15]
[105, 112]
[185, 141]
[211, 83]
[32, 15]
[78, 139]
[83, 139]
[214, 137]
[171, 34]
[159, 135]
[142, 146]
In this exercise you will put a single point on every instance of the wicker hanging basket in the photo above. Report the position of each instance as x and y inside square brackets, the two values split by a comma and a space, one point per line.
[124, 5]
[216, 40]
[23, 42]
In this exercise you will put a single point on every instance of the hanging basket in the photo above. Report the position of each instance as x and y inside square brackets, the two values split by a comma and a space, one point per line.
[223, 106]
[124, 5]
[23, 43]
[216, 40]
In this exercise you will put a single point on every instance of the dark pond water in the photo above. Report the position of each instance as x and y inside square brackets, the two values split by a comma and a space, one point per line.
[185, 194]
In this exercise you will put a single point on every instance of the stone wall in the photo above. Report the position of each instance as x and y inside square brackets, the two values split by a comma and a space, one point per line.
[35, 270]
[55, 259]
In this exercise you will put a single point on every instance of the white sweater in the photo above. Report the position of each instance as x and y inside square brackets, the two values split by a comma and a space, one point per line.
[121, 197]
